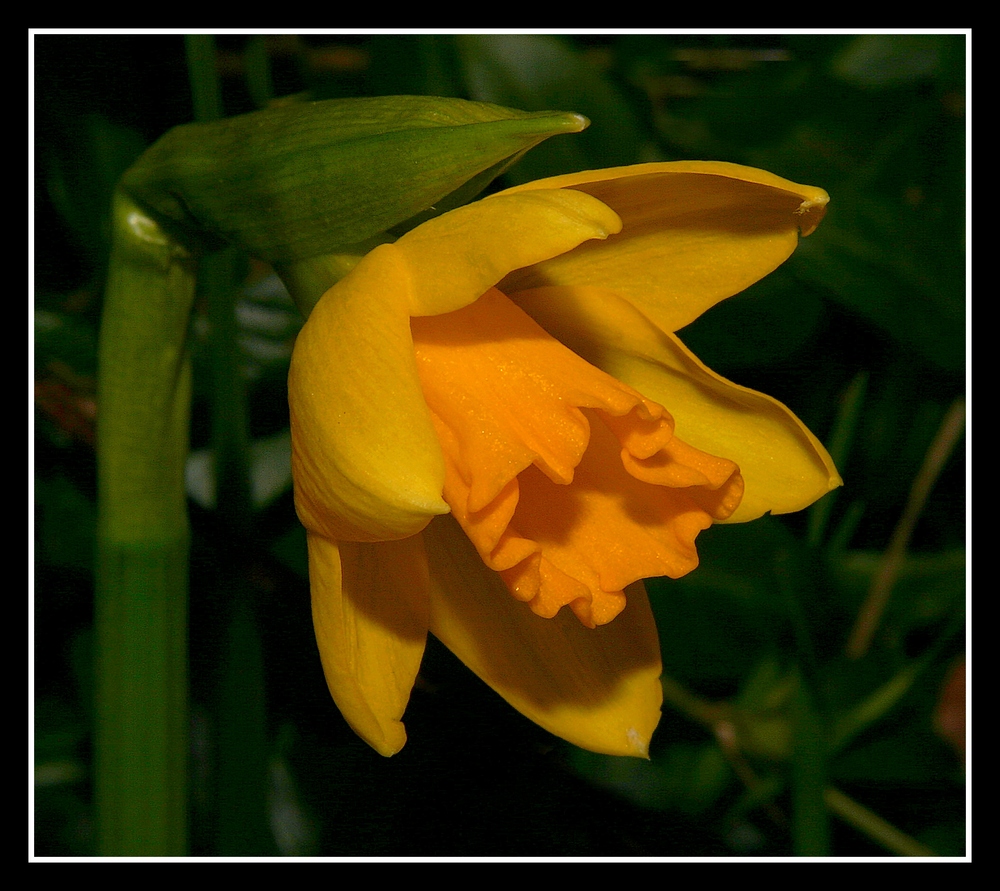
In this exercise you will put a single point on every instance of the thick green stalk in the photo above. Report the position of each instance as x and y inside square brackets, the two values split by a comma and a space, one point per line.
[141, 587]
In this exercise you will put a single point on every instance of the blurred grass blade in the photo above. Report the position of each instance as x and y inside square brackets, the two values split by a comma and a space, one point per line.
[840, 445]
[810, 820]
[950, 431]
[240, 806]
[872, 825]
[874, 706]
[203, 76]
[885, 698]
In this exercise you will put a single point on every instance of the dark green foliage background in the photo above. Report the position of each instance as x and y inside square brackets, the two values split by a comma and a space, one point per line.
[876, 298]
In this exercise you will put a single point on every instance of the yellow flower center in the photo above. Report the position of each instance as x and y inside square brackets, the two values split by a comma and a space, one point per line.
[570, 484]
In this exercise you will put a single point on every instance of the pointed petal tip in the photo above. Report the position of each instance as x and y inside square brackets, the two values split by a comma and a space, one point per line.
[387, 736]
[812, 210]
[819, 199]
[391, 742]
[384, 734]
[595, 733]
[637, 743]
[370, 620]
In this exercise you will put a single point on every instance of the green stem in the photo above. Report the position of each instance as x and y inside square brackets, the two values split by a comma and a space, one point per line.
[144, 394]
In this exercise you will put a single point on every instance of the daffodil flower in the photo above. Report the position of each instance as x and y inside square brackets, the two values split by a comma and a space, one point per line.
[497, 435]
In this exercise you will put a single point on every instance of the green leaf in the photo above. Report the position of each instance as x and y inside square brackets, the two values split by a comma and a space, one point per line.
[299, 180]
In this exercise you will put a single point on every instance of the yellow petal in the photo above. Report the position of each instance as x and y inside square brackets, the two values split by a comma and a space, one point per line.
[784, 467]
[597, 688]
[365, 458]
[366, 462]
[454, 258]
[370, 613]
[694, 233]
